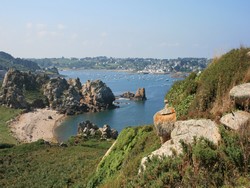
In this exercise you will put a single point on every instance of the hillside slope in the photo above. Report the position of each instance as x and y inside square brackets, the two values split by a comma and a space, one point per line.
[202, 163]
[7, 61]
[207, 94]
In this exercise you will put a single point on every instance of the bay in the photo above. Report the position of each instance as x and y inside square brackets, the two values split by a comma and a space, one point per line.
[130, 113]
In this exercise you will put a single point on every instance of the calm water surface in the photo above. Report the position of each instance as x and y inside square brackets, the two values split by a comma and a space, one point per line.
[130, 113]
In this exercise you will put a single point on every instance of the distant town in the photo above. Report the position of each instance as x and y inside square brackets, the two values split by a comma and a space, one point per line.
[181, 66]
[140, 65]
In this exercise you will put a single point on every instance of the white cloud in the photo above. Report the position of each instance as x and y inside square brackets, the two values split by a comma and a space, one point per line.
[61, 26]
[40, 26]
[42, 33]
[103, 34]
[29, 25]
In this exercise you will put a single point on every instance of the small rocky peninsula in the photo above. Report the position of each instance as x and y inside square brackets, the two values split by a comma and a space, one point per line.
[26, 91]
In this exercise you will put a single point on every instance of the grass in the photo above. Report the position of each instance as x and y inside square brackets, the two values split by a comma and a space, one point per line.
[41, 165]
[32, 95]
[7, 114]
[207, 94]
[122, 164]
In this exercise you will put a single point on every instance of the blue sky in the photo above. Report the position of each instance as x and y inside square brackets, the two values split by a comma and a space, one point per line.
[128, 28]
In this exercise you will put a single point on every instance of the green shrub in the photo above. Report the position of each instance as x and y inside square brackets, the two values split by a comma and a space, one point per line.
[202, 164]
[122, 164]
[207, 95]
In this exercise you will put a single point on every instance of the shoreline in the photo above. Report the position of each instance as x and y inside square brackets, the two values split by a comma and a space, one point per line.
[35, 125]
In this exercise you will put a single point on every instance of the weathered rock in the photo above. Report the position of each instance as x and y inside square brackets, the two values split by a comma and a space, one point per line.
[186, 131]
[97, 95]
[87, 128]
[164, 122]
[127, 95]
[14, 85]
[236, 120]
[140, 94]
[75, 83]
[107, 132]
[90, 129]
[241, 94]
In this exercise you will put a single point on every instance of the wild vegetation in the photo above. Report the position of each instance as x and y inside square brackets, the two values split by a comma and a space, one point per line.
[7, 114]
[7, 61]
[203, 164]
[45, 165]
[121, 166]
[207, 94]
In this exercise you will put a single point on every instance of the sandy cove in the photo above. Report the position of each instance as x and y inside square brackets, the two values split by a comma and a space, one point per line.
[35, 125]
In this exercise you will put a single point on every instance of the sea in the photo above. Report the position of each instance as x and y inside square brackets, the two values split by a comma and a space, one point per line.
[129, 113]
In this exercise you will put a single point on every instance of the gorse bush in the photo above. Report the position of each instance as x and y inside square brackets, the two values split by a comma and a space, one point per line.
[202, 164]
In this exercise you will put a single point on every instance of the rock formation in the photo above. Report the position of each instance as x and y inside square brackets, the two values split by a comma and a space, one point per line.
[97, 95]
[140, 95]
[186, 131]
[14, 85]
[107, 132]
[164, 122]
[236, 120]
[127, 95]
[87, 129]
[241, 95]
[67, 97]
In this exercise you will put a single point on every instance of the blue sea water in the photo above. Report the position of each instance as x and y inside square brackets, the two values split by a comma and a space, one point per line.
[130, 113]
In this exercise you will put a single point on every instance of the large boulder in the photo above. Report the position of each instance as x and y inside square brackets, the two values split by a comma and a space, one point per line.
[236, 120]
[14, 85]
[64, 96]
[140, 94]
[241, 94]
[87, 129]
[107, 132]
[164, 122]
[186, 131]
[97, 95]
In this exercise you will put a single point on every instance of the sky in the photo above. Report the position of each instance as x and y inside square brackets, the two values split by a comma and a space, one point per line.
[123, 28]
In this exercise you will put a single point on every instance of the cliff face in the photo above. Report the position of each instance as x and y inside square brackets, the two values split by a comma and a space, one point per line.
[16, 84]
[25, 90]
[97, 95]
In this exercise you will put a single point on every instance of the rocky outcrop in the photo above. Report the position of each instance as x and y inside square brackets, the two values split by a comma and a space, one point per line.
[67, 97]
[164, 122]
[107, 132]
[186, 131]
[140, 95]
[241, 95]
[88, 129]
[14, 85]
[128, 95]
[97, 95]
[236, 120]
